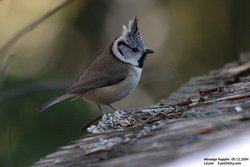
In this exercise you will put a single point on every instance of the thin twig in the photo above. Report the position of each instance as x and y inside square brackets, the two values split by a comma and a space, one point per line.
[32, 88]
[5, 68]
[31, 26]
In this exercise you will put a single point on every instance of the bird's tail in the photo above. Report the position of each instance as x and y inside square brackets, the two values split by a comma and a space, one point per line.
[53, 101]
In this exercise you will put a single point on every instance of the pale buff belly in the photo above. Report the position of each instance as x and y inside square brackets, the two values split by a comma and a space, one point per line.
[111, 94]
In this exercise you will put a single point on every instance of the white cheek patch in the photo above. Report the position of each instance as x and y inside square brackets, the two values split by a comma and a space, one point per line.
[124, 53]
[118, 55]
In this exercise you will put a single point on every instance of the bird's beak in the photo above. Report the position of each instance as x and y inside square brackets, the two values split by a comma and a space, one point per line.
[149, 51]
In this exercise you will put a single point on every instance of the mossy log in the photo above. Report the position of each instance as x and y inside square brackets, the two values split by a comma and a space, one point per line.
[202, 114]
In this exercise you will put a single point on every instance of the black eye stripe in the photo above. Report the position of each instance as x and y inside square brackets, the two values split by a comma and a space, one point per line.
[134, 49]
[124, 44]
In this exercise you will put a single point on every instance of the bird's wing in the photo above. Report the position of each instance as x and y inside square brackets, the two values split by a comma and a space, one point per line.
[95, 80]
[106, 70]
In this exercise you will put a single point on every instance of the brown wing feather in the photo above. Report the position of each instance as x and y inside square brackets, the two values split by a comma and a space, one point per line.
[106, 70]
[93, 82]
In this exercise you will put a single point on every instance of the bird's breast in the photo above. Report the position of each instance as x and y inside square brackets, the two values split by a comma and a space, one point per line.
[111, 94]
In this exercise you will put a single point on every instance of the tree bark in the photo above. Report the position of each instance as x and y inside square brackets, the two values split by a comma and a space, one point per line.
[202, 114]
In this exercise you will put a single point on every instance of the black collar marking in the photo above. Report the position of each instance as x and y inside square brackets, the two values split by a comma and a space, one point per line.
[140, 61]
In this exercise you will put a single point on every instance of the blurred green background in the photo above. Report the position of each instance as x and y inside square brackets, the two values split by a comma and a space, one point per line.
[189, 39]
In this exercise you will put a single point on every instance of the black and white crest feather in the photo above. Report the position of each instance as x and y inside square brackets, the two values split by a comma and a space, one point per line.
[130, 47]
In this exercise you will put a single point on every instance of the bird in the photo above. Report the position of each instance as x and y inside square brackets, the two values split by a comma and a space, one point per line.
[113, 75]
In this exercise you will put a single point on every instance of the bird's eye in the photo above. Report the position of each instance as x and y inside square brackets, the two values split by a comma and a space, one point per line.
[135, 50]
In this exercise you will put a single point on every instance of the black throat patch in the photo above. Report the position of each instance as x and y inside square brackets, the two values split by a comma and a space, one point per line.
[141, 60]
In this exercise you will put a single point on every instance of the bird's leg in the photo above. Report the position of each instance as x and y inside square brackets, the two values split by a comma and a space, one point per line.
[102, 112]
[114, 108]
